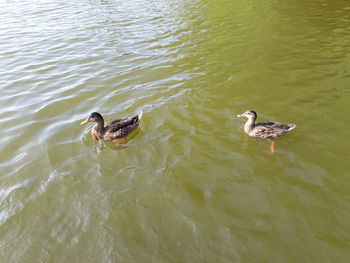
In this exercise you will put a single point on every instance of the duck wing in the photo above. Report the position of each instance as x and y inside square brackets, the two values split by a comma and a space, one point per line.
[115, 125]
[271, 129]
[120, 128]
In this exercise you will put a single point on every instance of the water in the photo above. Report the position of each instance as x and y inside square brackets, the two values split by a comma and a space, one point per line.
[188, 186]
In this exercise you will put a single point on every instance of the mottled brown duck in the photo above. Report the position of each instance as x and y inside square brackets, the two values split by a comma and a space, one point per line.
[264, 130]
[113, 130]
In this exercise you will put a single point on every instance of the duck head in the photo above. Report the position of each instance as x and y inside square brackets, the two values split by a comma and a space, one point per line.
[94, 117]
[249, 114]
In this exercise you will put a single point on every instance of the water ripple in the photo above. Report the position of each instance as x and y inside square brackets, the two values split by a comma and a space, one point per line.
[190, 66]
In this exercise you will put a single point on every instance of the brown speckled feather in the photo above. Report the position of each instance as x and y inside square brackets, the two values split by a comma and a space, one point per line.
[267, 130]
[120, 128]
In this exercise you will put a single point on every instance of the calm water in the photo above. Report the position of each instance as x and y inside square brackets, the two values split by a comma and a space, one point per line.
[188, 186]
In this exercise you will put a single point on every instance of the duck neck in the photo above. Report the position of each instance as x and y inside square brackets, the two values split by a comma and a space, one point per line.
[99, 128]
[249, 125]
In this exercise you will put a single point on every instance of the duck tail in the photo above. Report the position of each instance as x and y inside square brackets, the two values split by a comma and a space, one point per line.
[140, 115]
[291, 127]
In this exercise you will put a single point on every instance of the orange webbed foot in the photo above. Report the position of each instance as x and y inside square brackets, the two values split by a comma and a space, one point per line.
[272, 146]
[120, 141]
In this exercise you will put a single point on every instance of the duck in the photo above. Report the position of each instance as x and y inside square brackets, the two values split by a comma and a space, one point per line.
[264, 130]
[113, 130]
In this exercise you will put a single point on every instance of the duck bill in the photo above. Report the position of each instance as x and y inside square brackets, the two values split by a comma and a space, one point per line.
[239, 116]
[84, 122]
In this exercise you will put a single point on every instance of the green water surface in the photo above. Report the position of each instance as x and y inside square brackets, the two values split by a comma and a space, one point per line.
[188, 186]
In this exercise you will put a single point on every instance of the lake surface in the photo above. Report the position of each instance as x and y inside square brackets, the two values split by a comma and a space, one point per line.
[188, 186]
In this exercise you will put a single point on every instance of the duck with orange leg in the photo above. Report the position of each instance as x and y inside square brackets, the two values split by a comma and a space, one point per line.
[114, 131]
[264, 130]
